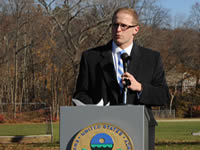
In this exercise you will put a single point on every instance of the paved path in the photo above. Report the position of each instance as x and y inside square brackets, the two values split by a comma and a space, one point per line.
[178, 120]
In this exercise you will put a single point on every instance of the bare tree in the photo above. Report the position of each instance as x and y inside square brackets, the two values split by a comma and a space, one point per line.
[195, 16]
[78, 22]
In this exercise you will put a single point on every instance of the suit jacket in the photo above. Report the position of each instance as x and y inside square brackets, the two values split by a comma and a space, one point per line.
[97, 78]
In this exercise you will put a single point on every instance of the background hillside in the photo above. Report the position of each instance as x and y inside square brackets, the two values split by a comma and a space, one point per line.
[41, 43]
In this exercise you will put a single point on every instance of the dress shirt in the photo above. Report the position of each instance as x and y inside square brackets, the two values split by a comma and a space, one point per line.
[116, 50]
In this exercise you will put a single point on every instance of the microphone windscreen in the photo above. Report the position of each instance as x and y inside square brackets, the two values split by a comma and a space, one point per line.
[124, 56]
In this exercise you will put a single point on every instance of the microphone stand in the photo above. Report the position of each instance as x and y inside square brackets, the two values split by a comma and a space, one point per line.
[127, 81]
[125, 95]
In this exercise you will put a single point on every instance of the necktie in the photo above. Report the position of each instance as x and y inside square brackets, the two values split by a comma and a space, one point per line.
[120, 69]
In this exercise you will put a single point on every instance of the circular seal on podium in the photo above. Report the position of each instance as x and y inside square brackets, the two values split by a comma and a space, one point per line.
[102, 136]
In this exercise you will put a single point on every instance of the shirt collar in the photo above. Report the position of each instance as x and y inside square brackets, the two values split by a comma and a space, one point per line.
[116, 49]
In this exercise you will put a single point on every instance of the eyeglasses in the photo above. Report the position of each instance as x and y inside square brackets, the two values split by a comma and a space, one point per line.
[123, 26]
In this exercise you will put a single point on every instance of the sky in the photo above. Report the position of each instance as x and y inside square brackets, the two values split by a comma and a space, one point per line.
[178, 7]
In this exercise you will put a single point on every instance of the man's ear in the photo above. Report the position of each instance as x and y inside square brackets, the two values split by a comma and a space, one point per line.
[136, 30]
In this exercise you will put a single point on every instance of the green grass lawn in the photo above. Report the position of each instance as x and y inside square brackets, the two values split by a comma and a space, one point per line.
[177, 131]
[23, 129]
[169, 135]
[177, 135]
[28, 129]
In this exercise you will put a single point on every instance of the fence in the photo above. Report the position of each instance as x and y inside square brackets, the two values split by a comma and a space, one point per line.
[164, 114]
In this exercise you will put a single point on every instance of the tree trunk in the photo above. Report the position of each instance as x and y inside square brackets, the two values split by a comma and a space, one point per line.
[172, 99]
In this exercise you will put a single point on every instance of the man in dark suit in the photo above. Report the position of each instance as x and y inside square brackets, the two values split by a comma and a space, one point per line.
[99, 70]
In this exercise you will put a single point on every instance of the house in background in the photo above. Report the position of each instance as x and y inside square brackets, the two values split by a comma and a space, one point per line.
[182, 82]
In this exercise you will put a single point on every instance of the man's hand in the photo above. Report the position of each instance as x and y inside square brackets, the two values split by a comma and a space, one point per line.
[134, 84]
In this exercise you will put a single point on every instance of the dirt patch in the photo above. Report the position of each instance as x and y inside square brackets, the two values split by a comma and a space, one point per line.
[28, 147]
[26, 139]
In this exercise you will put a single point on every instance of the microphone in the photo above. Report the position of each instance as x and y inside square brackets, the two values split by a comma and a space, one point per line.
[125, 58]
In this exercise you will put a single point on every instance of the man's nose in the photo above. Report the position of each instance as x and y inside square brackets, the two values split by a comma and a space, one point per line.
[118, 28]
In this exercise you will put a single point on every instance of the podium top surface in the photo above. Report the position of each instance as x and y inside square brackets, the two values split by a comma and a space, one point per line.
[118, 110]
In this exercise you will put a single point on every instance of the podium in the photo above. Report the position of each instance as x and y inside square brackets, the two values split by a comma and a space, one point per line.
[122, 121]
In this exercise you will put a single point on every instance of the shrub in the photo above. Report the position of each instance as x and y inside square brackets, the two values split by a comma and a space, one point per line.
[2, 120]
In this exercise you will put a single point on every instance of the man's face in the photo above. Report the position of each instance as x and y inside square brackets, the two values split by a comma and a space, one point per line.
[123, 29]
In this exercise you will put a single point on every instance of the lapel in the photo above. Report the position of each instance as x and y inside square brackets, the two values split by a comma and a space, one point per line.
[134, 62]
[108, 70]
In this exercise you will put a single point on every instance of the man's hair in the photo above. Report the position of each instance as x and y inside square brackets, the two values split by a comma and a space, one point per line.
[129, 11]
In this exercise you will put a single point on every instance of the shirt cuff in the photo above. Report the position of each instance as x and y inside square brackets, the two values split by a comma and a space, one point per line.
[139, 94]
